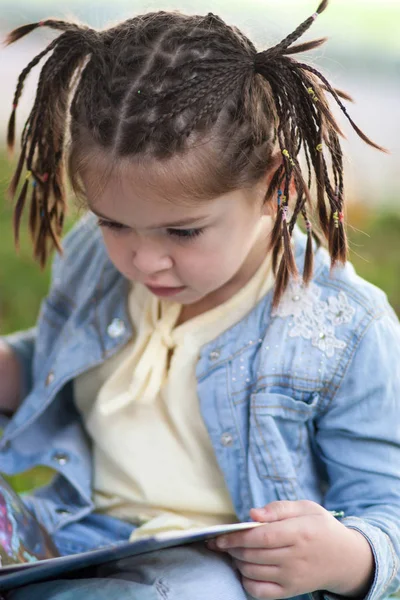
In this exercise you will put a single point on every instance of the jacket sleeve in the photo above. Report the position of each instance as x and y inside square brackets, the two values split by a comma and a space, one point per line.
[23, 343]
[23, 346]
[358, 441]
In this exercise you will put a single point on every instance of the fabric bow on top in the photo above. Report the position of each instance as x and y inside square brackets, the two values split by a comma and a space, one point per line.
[142, 374]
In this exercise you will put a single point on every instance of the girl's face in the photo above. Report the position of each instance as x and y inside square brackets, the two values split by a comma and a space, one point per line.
[191, 253]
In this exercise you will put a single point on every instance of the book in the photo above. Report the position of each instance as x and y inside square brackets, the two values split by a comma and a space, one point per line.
[28, 554]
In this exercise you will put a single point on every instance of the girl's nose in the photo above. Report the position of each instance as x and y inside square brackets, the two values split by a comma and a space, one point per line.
[149, 258]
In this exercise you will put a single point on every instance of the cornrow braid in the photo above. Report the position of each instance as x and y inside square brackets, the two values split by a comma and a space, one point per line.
[205, 93]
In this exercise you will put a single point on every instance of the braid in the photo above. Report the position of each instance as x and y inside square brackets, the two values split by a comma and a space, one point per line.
[223, 86]
[21, 80]
[305, 121]
[43, 136]
[297, 33]
[342, 107]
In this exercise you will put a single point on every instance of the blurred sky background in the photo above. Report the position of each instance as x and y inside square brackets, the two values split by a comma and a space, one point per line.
[362, 56]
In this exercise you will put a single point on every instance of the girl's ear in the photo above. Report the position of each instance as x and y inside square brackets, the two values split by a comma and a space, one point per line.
[270, 208]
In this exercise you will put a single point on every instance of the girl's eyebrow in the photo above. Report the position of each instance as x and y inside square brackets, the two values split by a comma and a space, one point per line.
[180, 223]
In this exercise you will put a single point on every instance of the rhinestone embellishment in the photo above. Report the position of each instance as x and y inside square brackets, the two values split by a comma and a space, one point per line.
[116, 328]
[226, 439]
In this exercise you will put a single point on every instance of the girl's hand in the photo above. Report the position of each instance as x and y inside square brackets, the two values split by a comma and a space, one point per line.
[302, 548]
[10, 387]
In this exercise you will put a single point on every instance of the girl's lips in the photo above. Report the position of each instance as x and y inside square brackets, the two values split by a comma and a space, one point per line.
[165, 291]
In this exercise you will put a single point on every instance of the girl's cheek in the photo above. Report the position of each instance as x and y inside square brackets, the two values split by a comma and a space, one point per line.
[117, 252]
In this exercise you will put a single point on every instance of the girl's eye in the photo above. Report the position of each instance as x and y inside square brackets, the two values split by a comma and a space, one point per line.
[110, 225]
[185, 233]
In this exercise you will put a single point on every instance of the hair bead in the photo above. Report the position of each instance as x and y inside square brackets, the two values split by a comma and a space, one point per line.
[287, 155]
[312, 93]
[335, 218]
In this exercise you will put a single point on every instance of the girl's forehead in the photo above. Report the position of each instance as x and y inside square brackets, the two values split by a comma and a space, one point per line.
[147, 201]
[171, 182]
[189, 179]
[144, 198]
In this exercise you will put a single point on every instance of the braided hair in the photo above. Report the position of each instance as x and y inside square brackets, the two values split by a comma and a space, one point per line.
[154, 86]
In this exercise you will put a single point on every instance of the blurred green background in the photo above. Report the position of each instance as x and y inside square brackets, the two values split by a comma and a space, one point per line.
[362, 57]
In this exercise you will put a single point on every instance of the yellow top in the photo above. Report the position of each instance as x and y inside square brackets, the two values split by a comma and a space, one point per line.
[154, 464]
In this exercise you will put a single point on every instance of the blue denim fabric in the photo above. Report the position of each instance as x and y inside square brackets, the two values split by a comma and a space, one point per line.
[185, 573]
[292, 412]
[174, 574]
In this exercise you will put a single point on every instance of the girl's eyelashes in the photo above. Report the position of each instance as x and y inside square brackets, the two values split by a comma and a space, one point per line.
[184, 234]
[110, 225]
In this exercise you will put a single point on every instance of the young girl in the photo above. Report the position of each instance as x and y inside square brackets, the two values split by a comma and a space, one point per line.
[198, 359]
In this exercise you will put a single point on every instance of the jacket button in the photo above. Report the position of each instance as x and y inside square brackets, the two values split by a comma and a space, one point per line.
[116, 328]
[49, 378]
[226, 439]
[214, 355]
[61, 458]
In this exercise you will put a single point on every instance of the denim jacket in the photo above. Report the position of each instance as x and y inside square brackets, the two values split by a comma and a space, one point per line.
[299, 402]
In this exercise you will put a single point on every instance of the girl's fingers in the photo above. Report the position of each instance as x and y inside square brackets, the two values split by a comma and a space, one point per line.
[259, 556]
[285, 509]
[264, 590]
[269, 573]
[212, 545]
[271, 535]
